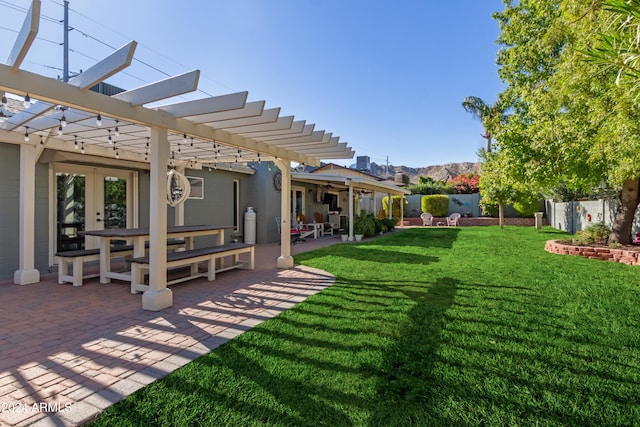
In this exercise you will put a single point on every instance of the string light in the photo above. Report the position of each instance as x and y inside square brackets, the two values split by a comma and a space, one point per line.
[117, 131]
[259, 160]
[63, 120]
[109, 140]
[192, 141]
[82, 147]
[60, 128]
[184, 138]
[117, 154]
[75, 141]
[27, 100]
[99, 120]
[26, 134]
[41, 140]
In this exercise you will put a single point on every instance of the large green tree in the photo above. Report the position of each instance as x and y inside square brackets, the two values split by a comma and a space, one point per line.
[571, 124]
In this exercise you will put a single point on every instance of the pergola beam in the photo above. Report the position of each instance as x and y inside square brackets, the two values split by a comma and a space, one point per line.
[57, 92]
[27, 35]
[163, 89]
[112, 64]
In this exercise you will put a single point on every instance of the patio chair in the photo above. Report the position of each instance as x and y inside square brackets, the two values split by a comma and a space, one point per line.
[452, 220]
[427, 218]
[304, 228]
[294, 231]
[327, 227]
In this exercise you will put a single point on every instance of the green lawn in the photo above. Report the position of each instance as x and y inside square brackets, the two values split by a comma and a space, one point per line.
[429, 326]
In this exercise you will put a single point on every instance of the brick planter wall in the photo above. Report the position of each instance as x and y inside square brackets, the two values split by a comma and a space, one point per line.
[528, 222]
[629, 257]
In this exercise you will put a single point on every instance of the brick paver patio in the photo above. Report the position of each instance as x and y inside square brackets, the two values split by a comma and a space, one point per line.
[67, 353]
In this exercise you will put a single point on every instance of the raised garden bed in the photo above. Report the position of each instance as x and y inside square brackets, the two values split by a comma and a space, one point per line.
[627, 255]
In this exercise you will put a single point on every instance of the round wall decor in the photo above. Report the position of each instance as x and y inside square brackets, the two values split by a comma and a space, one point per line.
[277, 180]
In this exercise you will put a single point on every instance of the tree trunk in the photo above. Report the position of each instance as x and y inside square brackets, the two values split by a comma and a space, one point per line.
[628, 203]
[501, 214]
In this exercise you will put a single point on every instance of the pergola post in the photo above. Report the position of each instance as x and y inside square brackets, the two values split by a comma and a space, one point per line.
[348, 182]
[158, 296]
[285, 260]
[27, 274]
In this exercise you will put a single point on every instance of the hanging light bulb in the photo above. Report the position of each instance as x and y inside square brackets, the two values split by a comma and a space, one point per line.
[192, 141]
[4, 100]
[27, 101]
[26, 134]
[215, 165]
[147, 142]
[82, 147]
[99, 120]
[60, 129]
[63, 120]
[75, 141]
[109, 139]
[117, 130]
[259, 160]
[184, 138]
[117, 154]
[41, 140]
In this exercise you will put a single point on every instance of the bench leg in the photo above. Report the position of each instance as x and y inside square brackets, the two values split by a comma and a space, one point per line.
[63, 269]
[77, 271]
[251, 264]
[211, 268]
[137, 278]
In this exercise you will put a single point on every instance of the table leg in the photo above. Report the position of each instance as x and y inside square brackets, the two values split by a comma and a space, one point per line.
[105, 259]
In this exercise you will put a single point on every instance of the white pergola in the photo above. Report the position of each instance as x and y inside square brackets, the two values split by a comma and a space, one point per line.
[197, 133]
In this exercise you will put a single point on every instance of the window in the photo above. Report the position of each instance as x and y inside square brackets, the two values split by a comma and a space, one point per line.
[236, 204]
[197, 187]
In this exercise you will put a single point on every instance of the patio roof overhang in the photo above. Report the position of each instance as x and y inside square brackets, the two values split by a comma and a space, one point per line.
[343, 182]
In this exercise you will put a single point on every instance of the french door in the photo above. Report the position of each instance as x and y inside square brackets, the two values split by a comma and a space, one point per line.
[90, 198]
[297, 202]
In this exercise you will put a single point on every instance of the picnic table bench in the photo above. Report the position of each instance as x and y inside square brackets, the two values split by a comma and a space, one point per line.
[74, 260]
[192, 257]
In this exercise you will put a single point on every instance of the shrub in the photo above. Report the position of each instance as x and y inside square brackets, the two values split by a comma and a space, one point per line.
[396, 204]
[388, 224]
[489, 208]
[593, 234]
[526, 208]
[364, 223]
[436, 205]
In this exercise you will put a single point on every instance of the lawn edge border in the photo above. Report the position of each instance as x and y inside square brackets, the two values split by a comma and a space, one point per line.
[604, 254]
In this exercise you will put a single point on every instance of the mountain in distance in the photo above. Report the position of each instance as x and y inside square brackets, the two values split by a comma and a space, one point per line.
[437, 172]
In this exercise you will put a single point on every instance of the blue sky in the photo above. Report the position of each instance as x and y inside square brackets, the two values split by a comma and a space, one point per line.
[387, 77]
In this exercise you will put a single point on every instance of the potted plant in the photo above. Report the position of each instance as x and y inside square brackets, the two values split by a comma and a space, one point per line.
[344, 235]
[360, 226]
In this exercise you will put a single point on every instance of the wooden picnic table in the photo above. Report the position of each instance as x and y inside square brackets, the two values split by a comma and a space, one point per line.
[138, 236]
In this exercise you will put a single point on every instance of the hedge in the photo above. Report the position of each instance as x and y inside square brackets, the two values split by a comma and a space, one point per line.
[436, 205]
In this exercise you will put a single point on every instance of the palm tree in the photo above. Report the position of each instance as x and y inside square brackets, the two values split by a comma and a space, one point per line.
[484, 112]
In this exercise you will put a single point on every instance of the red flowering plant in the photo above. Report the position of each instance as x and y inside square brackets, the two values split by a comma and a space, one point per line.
[467, 183]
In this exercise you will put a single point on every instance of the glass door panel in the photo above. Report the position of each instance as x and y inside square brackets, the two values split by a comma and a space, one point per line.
[70, 217]
[115, 204]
